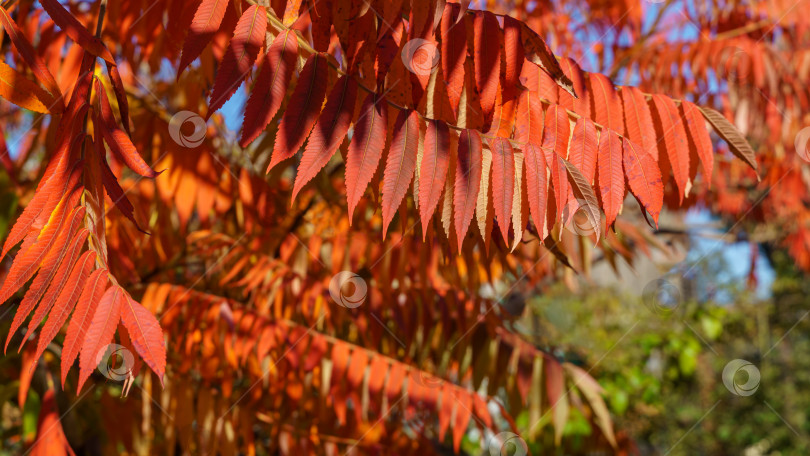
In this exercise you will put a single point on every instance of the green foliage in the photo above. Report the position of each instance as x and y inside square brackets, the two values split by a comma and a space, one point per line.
[663, 373]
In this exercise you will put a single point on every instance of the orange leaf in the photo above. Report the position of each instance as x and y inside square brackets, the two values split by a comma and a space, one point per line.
[537, 187]
[610, 176]
[674, 143]
[579, 105]
[23, 92]
[88, 302]
[47, 271]
[65, 301]
[513, 54]
[33, 60]
[643, 178]
[555, 145]
[35, 247]
[57, 284]
[145, 333]
[529, 122]
[584, 148]
[51, 439]
[538, 52]
[700, 144]
[606, 102]
[638, 121]
[100, 332]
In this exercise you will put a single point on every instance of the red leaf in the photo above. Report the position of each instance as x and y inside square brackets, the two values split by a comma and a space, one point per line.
[35, 247]
[468, 181]
[30, 56]
[248, 38]
[122, 147]
[386, 50]
[321, 15]
[513, 54]
[529, 122]
[464, 405]
[503, 183]
[538, 52]
[555, 144]
[610, 176]
[119, 142]
[454, 53]
[638, 122]
[643, 178]
[65, 301]
[54, 182]
[203, 27]
[674, 143]
[537, 187]
[120, 96]
[57, 284]
[76, 31]
[584, 148]
[481, 411]
[579, 105]
[555, 384]
[52, 185]
[446, 410]
[145, 333]
[274, 77]
[47, 271]
[115, 192]
[400, 165]
[85, 309]
[302, 110]
[700, 144]
[433, 170]
[100, 332]
[365, 150]
[51, 439]
[329, 131]
[487, 60]
[42, 200]
[606, 102]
